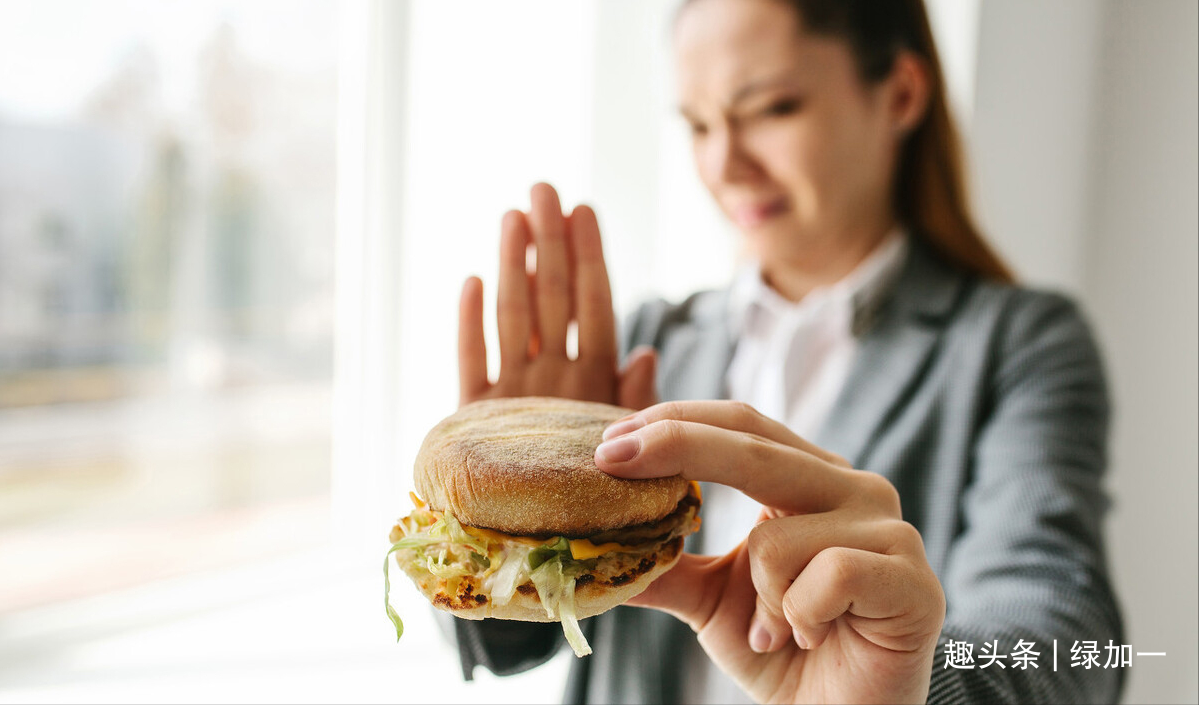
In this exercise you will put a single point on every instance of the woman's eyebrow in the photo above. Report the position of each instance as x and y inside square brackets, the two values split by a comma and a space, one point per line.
[758, 86]
[747, 90]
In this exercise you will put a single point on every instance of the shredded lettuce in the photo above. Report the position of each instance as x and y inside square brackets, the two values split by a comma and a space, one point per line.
[559, 548]
[556, 587]
[501, 584]
[449, 552]
[570, 623]
[391, 613]
[434, 543]
[457, 534]
[445, 570]
[548, 579]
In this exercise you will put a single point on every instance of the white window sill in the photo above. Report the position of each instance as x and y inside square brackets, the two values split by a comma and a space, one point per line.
[308, 628]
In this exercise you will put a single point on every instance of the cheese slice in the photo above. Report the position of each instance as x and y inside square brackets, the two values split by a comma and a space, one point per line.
[582, 549]
[499, 537]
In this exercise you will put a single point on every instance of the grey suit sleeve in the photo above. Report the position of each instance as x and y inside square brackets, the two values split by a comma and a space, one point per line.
[1029, 562]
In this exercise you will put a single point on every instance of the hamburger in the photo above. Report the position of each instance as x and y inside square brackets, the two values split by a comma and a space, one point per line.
[515, 521]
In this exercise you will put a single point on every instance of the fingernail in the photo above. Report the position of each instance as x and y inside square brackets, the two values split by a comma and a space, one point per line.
[759, 637]
[623, 426]
[619, 450]
[799, 639]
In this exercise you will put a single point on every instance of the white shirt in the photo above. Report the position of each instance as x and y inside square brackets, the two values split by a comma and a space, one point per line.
[790, 363]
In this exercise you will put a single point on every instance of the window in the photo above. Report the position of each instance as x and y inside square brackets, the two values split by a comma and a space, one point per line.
[166, 287]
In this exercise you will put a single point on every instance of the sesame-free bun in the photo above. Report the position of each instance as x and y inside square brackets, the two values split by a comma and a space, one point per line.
[526, 466]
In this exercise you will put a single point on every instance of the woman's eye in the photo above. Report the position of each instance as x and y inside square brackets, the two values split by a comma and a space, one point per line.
[698, 129]
[781, 108]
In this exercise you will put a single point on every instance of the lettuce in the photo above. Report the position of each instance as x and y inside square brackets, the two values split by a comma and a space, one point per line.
[570, 623]
[447, 571]
[551, 568]
[501, 584]
[457, 534]
[559, 548]
[445, 533]
[391, 613]
[556, 588]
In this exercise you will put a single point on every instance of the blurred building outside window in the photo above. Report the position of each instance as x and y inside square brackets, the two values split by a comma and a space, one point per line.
[167, 219]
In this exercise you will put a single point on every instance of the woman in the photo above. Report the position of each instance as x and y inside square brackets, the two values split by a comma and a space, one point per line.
[875, 330]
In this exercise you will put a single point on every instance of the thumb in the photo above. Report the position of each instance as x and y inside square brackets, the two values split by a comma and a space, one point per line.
[690, 590]
[635, 386]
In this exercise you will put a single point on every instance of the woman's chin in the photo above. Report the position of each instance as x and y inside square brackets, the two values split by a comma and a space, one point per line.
[773, 239]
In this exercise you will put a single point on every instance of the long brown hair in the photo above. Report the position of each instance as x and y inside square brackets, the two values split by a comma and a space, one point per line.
[930, 187]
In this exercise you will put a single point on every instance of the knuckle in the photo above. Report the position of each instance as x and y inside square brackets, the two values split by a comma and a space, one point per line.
[881, 493]
[552, 283]
[669, 410]
[595, 300]
[768, 546]
[794, 608]
[906, 538]
[670, 435]
[510, 305]
[597, 365]
[758, 450]
[746, 417]
[840, 566]
[771, 610]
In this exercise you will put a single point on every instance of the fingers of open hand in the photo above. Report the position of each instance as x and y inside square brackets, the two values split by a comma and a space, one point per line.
[514, 315]
[786, 550]
[553, 290]
[565, 280]
[472, 348]
[592, 292]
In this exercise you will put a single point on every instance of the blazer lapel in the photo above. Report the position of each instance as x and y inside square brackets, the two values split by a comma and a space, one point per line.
[695, 358]
[892, 354]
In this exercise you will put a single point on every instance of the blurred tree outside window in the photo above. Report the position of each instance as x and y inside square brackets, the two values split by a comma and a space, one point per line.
[166, 288]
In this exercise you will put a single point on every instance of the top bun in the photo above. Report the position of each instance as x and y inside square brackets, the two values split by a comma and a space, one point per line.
[526, 466]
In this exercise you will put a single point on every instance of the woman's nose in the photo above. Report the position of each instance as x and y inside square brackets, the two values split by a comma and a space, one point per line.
[728, 160]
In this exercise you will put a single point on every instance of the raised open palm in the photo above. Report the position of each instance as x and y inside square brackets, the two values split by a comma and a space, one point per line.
[536, 307]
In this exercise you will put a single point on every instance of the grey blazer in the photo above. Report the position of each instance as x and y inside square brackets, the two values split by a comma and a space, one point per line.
[985, 405]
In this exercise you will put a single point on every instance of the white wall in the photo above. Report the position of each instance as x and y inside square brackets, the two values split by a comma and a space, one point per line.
[1031, 132]
[1083, 139]
[663, 234]
[1141, 280]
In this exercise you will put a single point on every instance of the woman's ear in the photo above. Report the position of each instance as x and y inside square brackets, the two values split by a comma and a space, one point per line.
[908, 92]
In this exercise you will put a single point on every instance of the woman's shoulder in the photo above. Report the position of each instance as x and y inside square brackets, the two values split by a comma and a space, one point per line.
[1021, 311]
[932, 287]
[1026, 332]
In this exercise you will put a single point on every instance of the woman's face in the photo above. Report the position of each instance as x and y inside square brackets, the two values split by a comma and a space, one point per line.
[797, 151]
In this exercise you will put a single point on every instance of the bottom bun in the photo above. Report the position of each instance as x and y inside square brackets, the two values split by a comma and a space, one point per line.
[612, 583]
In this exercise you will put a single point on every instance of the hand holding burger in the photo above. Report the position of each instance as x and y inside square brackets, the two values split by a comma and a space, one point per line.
[829, 599]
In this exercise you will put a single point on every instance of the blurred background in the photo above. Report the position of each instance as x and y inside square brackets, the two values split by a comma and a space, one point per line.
[232, 236]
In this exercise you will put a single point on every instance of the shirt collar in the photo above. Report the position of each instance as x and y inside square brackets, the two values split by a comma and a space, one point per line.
[861, 291]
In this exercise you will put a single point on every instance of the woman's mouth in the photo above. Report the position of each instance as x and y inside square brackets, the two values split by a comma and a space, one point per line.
[753, 215]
